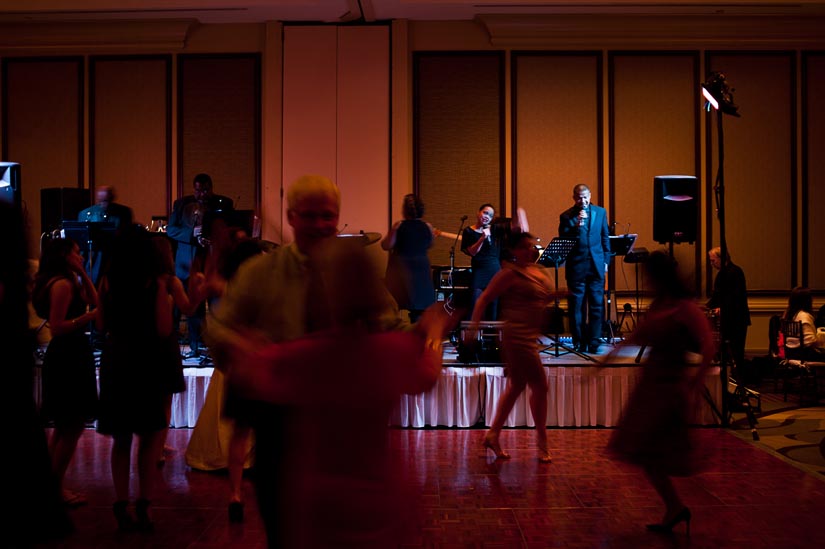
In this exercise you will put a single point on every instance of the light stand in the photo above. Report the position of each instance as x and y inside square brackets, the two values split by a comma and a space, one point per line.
[719, 96]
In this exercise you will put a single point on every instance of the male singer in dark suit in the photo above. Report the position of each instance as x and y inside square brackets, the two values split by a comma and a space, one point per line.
[186, 228]
[586, 223]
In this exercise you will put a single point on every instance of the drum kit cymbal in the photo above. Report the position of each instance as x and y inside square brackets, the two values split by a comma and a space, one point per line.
[364, 238]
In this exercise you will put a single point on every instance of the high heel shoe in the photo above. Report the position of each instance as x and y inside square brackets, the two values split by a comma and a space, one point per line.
[492, 444]
[144, 523]
[235, 512]
[125, 522]
[667, 527]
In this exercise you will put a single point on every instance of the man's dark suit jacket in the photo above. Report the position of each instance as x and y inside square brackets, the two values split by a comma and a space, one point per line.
[186, 214]
[598, 242]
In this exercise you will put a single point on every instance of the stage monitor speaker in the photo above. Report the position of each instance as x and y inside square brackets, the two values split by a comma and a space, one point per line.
[675, 208]
[10, 182]
[57, 204]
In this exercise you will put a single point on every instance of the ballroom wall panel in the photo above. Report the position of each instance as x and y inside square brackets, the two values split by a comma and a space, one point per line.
[813, 110]
[458, 139]
[759, 170]
[309, 110]
[363, 127]
[654, 131]
[556, 134]
[43, 128]
[130, 104]
[337, 117]
[219, 124]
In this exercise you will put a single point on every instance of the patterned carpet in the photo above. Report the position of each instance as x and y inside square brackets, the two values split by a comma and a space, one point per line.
[795, 434]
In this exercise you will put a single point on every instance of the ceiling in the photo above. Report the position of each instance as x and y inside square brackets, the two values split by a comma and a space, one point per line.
[353, 11]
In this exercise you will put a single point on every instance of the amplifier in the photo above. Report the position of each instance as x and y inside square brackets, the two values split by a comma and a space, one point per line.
[487, 349]
[454, 279]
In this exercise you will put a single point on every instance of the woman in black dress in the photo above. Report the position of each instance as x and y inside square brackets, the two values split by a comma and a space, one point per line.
[409, 278]
[137, 368]
[63, 294]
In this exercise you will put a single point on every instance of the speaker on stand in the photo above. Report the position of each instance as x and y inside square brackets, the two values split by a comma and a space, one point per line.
[675, 209]
[59, 204]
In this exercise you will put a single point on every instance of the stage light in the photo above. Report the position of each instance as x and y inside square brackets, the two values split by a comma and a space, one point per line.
[719, 95]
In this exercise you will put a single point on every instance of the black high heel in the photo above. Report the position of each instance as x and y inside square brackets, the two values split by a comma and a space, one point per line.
[667, 527]
[144, 523]
[125, 522]
[236, 512]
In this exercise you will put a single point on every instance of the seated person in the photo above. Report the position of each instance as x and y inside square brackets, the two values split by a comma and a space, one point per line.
[800, 307]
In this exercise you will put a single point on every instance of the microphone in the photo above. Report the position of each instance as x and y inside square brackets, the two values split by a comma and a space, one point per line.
[463, 218]
[341, 230]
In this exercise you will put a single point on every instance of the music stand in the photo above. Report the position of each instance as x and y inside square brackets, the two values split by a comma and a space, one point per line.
[622, 244]
[555, 254]
[90, 235]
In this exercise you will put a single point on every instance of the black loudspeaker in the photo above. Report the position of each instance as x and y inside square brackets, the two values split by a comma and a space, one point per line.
[58, 204]
[675, 208]
[10, 182]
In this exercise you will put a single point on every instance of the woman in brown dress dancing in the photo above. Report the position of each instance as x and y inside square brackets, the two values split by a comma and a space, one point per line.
[653, 432]
[525, 290]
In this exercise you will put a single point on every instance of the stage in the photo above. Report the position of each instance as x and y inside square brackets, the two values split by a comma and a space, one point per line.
[581, 393]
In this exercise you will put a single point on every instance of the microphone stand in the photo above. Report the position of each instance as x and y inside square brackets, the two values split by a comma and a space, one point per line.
[455, 242]
[448, 302]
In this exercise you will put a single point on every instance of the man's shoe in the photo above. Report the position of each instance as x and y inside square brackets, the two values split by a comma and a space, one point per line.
[594, 349]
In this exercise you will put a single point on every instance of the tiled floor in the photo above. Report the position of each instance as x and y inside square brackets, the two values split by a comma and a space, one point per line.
[745, 498]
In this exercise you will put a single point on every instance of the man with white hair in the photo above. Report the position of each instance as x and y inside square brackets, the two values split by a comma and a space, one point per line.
[274, 297]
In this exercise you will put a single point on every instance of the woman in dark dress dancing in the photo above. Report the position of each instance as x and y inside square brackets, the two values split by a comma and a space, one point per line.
[409, 278]
[135, 368]
[63, 294]
[653, 432]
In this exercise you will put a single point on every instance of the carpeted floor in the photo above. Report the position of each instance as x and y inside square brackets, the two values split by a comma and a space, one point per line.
[795, 434]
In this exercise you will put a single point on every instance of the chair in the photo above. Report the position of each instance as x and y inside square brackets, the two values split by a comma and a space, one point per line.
[793, 366]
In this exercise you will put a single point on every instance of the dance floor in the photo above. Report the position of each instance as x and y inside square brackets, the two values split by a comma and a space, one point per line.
[747, 497]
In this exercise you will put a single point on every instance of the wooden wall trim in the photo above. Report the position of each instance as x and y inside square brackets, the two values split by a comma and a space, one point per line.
[724, 30]
[111, 36]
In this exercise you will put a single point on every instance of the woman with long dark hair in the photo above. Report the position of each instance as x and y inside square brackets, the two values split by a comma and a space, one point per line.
[64, 294]
[136, 317]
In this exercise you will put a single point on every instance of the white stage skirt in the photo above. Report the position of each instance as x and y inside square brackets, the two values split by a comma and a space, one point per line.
[578, 396]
